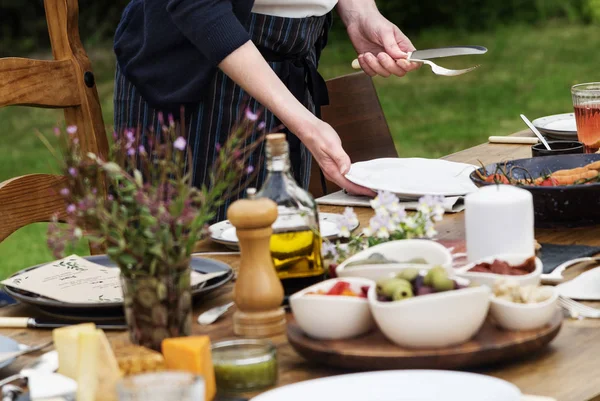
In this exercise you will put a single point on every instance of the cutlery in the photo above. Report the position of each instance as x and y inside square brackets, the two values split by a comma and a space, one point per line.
[41, 323]
[535, 131]
[516, 140]
[556, 276]
[577, 309]
[10, 355]
[423, 56]
[211, 315]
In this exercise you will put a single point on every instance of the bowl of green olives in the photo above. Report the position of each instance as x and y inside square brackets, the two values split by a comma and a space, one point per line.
[428, 308]
[382, 260]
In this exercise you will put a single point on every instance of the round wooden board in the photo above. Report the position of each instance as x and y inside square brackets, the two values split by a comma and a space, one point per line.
[374, 352]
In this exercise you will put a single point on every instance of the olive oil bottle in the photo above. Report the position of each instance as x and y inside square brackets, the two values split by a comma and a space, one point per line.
[296, 241]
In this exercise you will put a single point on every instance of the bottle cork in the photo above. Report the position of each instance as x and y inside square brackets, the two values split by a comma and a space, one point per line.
[277, 144]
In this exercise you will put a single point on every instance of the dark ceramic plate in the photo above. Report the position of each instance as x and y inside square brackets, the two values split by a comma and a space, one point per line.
[561, 206]
[112, 309]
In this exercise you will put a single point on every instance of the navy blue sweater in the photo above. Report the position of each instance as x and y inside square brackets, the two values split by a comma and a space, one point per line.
[169, 49]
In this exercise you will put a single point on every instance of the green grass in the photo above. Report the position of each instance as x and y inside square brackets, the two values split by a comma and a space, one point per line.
[527, 70]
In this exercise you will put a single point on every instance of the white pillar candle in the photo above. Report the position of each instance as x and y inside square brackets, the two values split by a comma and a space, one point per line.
[499, 219]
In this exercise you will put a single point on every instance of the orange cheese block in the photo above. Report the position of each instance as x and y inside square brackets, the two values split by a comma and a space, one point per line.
[191, 354]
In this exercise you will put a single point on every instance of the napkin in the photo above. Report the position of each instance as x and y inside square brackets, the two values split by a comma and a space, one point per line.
[585, 287]
[453, 204]
[553, 255]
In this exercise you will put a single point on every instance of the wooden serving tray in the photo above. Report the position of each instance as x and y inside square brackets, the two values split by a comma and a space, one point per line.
[373, 351]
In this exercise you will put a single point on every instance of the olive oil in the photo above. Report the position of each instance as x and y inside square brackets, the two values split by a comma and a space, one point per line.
[296, 241]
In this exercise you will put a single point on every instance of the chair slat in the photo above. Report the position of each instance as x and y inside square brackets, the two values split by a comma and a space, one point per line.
[41, 83]
[28, 199]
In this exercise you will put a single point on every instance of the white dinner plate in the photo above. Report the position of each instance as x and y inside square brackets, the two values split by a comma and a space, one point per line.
[399, 385]
[8, 345]
[411, 178]
[224, 232]
[585, 287]
[558, 126]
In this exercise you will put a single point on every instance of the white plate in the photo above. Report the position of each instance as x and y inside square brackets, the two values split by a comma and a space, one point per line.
[414, 177]
[558, 126]
[224, 232]
[399, 385]
[585, 287]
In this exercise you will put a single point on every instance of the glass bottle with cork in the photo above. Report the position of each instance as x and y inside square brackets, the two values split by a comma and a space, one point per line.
[296, 241]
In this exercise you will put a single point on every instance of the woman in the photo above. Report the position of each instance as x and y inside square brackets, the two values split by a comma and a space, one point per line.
[211, 55]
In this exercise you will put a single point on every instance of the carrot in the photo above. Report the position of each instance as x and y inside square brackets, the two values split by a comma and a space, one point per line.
[573, 178]
[594, 165]
[570, 172]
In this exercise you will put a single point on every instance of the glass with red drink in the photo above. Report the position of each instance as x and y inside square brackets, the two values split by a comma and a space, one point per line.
[586, 102]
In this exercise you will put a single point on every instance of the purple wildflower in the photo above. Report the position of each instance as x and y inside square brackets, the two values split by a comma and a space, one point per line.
[73, 171]
[110, 198]
[262, 125]
[65, 192]
[171, 120]
[71, 208]
[76, 141]
[115, 135]
[142, 150]
[161, 118]
[218, 147]
[56, 131]
[129, 135]
[72, 129]
[250, 115]
[237, 154]
[249, 169]
[94, 191]
[130, 151]
[180, 143]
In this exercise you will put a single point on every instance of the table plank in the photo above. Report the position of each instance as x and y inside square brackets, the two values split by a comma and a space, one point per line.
[565, 370]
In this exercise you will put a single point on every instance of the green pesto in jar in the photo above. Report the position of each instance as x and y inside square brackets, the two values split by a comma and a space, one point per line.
[244, 365]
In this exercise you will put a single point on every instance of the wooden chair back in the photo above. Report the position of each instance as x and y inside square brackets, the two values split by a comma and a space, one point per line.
[355, 113]
[66, 82]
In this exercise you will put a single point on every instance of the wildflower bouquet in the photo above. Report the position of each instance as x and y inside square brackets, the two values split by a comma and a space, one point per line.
[141, 207]
[391, 222]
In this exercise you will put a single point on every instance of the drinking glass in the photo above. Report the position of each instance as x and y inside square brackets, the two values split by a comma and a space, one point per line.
[586, 102]
[161, 386]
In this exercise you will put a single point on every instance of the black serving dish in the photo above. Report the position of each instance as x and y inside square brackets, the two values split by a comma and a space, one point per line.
[557, 148]
[560, 206]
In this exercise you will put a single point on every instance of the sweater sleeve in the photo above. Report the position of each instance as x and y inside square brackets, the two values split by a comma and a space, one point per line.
[210, 25]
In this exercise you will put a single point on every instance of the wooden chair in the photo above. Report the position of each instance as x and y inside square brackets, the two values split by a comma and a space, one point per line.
[66, 82]
[355, 113]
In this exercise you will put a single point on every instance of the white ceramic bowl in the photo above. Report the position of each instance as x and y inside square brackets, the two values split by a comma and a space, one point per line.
[489, 279]
[402, 250]
[516, 317]
[333, 317]
[435, 320]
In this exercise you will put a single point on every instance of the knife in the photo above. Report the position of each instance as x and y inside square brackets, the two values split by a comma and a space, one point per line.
[428, 54]
[41, 323]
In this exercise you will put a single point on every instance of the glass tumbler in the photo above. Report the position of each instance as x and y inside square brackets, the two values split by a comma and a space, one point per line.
[586, 102]
[162, 386]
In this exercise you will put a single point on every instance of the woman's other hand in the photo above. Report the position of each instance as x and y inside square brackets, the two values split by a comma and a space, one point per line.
[326, 147]
[381, 46]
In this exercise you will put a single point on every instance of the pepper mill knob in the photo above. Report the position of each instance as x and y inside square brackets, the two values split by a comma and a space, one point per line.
[258, 293]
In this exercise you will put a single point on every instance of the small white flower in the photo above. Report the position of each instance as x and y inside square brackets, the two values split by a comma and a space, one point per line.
[430, 230]
[78, 233]
[410, 222]
[329, 250]
[180, 143]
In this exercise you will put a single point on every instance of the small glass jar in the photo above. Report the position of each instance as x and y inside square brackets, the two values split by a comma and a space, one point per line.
[162, 386]
[244, 365]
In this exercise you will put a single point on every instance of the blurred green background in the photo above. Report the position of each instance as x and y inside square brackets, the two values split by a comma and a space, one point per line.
[537, 50]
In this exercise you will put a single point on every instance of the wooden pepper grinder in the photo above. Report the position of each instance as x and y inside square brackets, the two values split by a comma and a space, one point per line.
[258, 293]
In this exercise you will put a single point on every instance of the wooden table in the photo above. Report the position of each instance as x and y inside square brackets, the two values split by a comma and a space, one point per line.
[565, 370]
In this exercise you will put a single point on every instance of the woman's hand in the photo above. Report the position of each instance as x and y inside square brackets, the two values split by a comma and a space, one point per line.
[326, 147]
[381, 46]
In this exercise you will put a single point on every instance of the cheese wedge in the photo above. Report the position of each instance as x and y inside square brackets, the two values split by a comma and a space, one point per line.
[135, 359]
[191, 354]
[97, 371]
[65, 342]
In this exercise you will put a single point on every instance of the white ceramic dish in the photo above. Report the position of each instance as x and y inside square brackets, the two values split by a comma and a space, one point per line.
[333, 317]
[414, 177]
[223, 232]
[516, 317]
[584, 287]
[402, 250]
[432, 321]
[399, 385]
[489, 279]
[557, 126]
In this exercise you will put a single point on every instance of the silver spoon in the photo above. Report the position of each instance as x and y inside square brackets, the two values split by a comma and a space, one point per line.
[211, 315]
[535, 131]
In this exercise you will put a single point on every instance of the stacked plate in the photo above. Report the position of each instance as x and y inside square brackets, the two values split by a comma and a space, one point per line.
[558, 126]
[102, 312]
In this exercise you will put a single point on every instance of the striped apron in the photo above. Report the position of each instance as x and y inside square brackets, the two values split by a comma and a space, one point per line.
[292, 47]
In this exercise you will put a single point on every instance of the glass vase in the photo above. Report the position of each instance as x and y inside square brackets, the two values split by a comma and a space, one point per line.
[158, 307]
